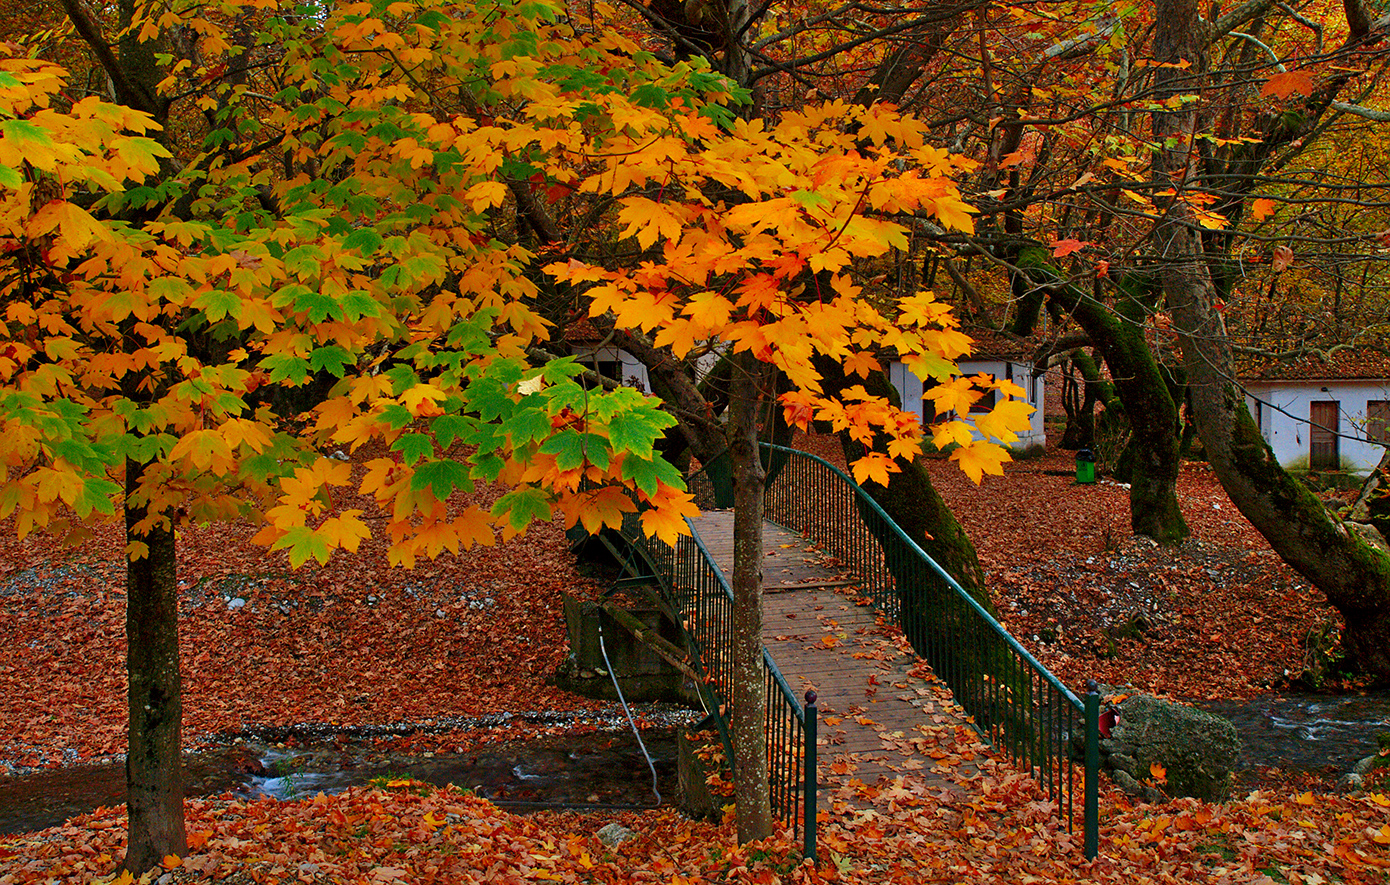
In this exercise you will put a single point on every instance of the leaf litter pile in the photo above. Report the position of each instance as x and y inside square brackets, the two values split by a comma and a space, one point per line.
[357, 643]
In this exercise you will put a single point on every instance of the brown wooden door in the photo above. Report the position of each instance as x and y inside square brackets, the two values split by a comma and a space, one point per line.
[1378, 421]
[1323, 453]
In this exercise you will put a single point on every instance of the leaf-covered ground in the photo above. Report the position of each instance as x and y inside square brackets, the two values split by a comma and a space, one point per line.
[354, 642]
[358, 643]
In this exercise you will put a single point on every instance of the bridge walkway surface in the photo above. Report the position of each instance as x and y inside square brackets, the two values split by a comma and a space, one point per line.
[883, 713]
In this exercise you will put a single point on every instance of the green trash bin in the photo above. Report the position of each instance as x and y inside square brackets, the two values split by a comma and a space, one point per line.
[1085, 466]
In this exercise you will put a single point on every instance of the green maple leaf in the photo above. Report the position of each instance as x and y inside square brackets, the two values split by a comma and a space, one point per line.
[442, 477]
[319, 306]
[523, 506]
[572, 449]
[302, 544]
[285, 367]
[447, 428]
[527, 425]
[646, 474]
[358, 304]
[96, 494]
[414, 446]
[615, 402]
[333, 358]
[365, 240]
[638, 431]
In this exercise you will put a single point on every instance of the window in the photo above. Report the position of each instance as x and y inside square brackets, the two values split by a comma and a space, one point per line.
[1323, 452]
[986, 402]
[1378, 421]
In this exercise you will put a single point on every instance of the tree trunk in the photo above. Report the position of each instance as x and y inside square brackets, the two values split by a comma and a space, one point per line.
[1118, 334]
[1079, 400]
[1354, 576]
[751, 793]
[154, 764]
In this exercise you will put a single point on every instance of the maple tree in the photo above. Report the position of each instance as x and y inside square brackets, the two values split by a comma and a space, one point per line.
[325, 216]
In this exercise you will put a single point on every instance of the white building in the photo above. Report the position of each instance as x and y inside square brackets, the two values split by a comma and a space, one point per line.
[1324, 415]
[995, 356]
[603, 359]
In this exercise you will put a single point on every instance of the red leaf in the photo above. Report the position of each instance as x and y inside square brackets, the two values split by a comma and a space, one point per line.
[1063, 248]
[1286, 83]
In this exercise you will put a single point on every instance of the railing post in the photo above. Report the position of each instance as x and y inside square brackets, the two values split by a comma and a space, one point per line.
[1092, 801]
[811, 782]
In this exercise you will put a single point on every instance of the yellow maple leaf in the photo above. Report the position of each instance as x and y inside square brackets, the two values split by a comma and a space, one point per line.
[422, 400]
[603, 508]
[979, 458]
[710, 310]
[680, 335]
[1003, 422]
[242, 432]
[345, 530]
[874, 466]
[664, 525]
[650, 221]
[861, 363]
[957, 395]
[952, 433]
[486, 194]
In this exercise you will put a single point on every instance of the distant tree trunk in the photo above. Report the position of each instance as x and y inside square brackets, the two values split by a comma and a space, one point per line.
[751, 792]
[1354, 576]
[154, 764]
[1079, 404]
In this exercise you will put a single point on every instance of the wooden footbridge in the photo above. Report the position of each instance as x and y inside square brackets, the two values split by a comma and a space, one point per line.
[847, 598]
[883, 713]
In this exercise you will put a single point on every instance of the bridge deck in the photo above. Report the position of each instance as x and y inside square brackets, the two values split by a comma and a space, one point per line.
[882, 712]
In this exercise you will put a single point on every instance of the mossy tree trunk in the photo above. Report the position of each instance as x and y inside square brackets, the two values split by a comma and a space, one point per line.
[1117, 331]
[1354, 576]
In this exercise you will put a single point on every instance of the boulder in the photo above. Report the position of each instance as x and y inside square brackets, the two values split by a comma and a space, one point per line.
[1197, 749]
[614, 835]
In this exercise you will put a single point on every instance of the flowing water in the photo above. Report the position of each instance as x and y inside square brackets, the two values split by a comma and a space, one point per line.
[597, 769]
[1316, 733]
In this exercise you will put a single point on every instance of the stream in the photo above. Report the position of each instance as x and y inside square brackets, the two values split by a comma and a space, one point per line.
[1322, 734]
[591, 770]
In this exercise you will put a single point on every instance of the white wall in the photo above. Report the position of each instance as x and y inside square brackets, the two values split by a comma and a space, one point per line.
[910, 388]
[634, 374]
[1282, 410]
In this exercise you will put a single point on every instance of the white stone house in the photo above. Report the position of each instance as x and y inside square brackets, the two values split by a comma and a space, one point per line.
[1323, 415]
[994, 356]
[605, 360]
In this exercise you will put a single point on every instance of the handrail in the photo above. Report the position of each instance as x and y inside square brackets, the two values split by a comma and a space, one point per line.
[697, 587]
[1016, 703]
[866, 501]
[788, 754]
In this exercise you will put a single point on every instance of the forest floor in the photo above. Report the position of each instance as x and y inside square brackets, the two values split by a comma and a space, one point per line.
[358, 643]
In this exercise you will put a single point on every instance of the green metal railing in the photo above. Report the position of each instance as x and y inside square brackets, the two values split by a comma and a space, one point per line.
[1019, 706]
[703, 601]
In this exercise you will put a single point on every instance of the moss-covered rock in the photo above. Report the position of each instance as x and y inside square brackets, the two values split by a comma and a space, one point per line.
[1197, 749]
